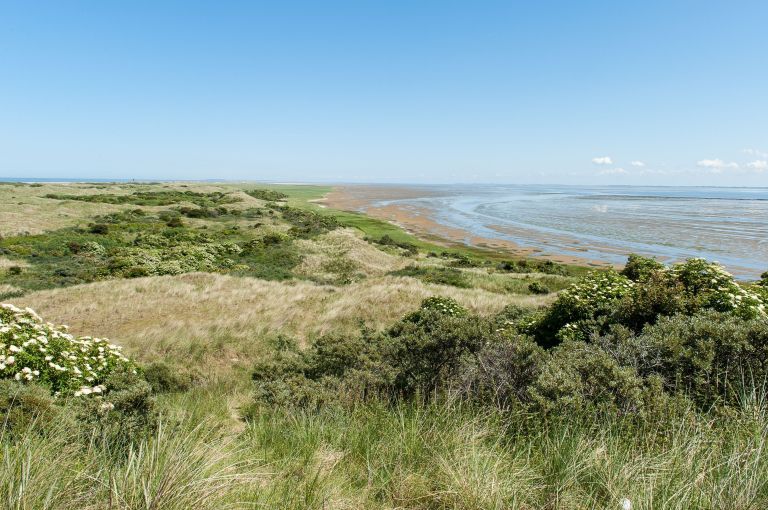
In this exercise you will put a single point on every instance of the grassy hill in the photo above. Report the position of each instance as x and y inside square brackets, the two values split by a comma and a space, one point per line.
[292, 356]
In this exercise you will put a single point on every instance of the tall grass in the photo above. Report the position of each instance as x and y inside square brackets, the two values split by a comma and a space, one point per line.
[417, 456]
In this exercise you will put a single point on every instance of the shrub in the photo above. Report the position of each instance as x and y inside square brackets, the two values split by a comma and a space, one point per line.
[26, 406]
[99, 228]
[423, 352]
[601, 299]
[152, 198]
[445, 305]
[503, 373]
[34, 351]
[126, 414]
[385, 240]
[640, 268]
[711, 356]
[15, 270]
[164, 378]
[581, 377]
[428, 349]
[537, 288]
[307, 224]
[266, 194]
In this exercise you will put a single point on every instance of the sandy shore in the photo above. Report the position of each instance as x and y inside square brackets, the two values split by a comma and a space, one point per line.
[423, 222]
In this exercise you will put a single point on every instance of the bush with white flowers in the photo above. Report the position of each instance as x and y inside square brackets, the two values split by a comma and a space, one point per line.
[32, 350]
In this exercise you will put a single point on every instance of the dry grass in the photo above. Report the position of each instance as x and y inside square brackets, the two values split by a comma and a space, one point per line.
[5, 263]
[24, 209]
[341, 248]
[222, 319]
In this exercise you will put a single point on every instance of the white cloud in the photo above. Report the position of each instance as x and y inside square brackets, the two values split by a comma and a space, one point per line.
[603, 160]
[716, 165]
[638, 164]
[755, 152]
[613, 171]
[759, 165]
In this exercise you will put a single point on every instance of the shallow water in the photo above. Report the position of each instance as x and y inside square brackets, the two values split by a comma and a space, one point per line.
[729, 225]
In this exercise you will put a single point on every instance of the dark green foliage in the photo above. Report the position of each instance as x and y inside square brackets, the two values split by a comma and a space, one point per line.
[423, 352]
[132, 244]
[25, 406]
[533, 266]
[606, 298]
[410, 249]
[640, 268]
[537, 288]
[430, 350]
[503, 373]
[436, 275]
[581, 377]
[164, 378]
[15, 270]
[461, 260]
[306, 224]
[126, 413]
[266, 194]
[153, 198]
[99, 228]
[712, 357]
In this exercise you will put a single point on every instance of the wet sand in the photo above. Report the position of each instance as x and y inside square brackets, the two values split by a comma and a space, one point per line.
[423, 222]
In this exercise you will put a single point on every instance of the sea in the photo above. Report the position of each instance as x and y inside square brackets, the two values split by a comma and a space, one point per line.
[606, 223]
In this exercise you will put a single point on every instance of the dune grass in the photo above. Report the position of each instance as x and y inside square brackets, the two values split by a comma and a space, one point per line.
[445, 454]
[412, 456]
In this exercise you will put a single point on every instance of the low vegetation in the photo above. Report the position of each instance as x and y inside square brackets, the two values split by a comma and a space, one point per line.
[153, 198]
[292, 364]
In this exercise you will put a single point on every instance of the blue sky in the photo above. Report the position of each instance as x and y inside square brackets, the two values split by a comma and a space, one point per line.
[421, 91]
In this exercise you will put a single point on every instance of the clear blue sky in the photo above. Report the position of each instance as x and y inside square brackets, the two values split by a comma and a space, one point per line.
[406, 91]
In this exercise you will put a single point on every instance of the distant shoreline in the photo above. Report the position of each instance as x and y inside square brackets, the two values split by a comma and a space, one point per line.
[446, 215]
[422, 223]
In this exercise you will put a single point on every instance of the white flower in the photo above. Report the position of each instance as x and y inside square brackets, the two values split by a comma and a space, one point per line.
[14, 348]
[626, 504]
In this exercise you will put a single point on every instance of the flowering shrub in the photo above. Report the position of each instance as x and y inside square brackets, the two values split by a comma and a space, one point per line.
[32, 350]
[444, 305]
[644, 292]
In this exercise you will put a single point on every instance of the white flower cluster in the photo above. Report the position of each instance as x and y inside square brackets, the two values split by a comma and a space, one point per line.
[595, 289]
[33, 350]
[718, 288]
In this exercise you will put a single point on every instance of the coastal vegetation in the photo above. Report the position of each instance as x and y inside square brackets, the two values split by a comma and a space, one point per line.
[274, 354]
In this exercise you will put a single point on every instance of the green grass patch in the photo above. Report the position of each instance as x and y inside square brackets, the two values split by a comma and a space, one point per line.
[437, 275]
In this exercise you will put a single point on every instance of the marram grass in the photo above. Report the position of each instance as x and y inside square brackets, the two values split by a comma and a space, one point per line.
[417, 456]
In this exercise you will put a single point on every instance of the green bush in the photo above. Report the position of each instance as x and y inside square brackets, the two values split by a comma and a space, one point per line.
[713, 357]
[503, 372]
[445, 305]
[640, 268]
[423, 352]
[580, 377]
[537, 288]
[266, 194]
[27, 406]
[164, 378]
[410, 249]
[602, 299]
[126, 414]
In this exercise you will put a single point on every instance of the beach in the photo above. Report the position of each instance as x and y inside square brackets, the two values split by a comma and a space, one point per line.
[596, 227]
